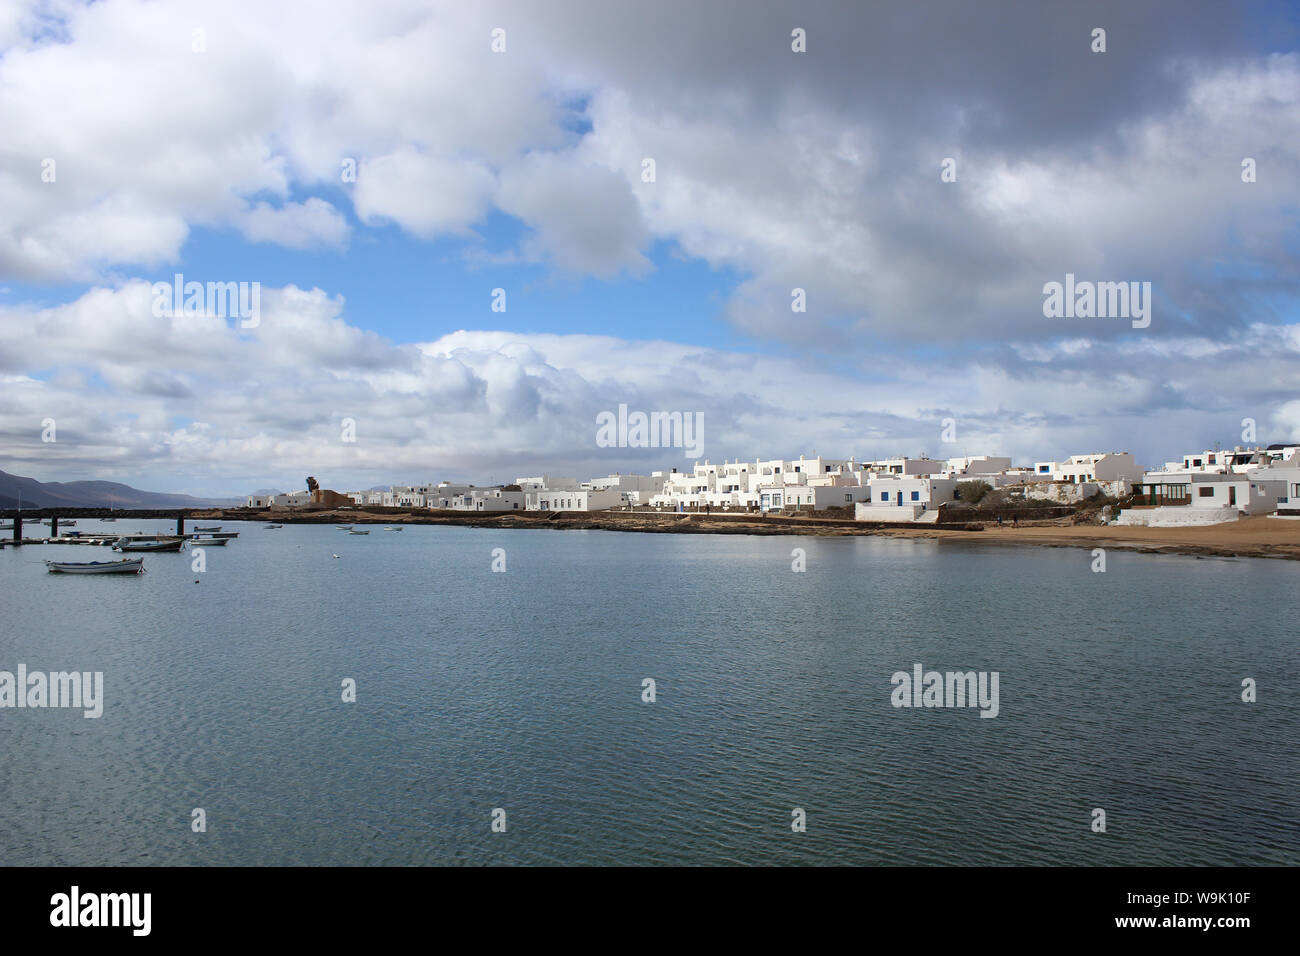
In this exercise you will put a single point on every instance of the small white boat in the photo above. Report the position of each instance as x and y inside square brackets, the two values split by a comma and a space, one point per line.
[344, 527]
[197, 542]
[215, 527]
[62, 523]
[107, 519]
[392, 529]
[354, 531]
[125, 566]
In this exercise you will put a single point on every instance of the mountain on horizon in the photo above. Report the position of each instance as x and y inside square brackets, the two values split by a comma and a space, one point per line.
[93, 494]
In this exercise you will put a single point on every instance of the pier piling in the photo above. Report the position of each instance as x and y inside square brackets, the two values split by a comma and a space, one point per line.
[18, 529]
[180, 524]
[54, 526]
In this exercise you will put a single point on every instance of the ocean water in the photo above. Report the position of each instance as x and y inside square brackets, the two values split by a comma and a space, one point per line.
[522, 691]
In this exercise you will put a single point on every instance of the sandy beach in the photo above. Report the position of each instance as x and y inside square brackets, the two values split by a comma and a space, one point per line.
[1259, 537]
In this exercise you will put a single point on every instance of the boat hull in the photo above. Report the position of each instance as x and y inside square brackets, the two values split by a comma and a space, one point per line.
[125, 566]
[175, 545]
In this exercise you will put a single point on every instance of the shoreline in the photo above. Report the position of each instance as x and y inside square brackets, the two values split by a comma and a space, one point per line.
[1255, 537]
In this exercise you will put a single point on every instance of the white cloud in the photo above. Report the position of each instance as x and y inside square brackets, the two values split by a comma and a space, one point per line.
[586, 218]
[301, 225]
[212, 405]
[426, 195]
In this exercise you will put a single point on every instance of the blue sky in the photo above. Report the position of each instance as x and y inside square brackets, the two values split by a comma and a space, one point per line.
[207, 139]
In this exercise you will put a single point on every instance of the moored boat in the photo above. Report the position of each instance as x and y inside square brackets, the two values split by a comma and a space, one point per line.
[355, 531]
[198, 542]
[344, 527]
[125, 566]
[273, 527]
[392, 529]
[160, 543]
[215, 527]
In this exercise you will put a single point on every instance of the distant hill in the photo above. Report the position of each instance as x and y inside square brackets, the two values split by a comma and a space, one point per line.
[93, 494]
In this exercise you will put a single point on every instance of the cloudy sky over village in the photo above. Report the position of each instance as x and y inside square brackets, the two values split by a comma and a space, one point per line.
[216, 140]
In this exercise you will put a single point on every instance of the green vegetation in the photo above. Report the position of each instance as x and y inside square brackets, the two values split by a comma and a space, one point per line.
[970, 492]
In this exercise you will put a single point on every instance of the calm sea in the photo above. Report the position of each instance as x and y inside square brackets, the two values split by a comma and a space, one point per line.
[523, 691]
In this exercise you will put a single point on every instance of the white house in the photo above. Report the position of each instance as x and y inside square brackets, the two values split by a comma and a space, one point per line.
[895, 498]
[573, 500]
[909, 466]
[489, 499]
[638, 487]
[1201, 498]
[816, 497]
[980, 465]
[294, 499]
[1099, 466]
[548, 483]
[1288, 502]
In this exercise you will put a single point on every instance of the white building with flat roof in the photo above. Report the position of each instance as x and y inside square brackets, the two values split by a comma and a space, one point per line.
[978, 465]
[1202, 498]
[580, 499]
[1098, 466]
[548, 483]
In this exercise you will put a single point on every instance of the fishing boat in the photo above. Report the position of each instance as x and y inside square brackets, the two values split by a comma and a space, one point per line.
[198, 542]
[215, 527]
[392, 529]
[355, 531]
[125, 566]
[225, 534]
[344, 527]
[160, 543]
[273, 527]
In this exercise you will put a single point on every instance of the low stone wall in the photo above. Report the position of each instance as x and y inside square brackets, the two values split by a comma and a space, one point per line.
[1178, 516]
[894, 514]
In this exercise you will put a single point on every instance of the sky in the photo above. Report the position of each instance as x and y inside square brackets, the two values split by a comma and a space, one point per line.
[841, 249]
